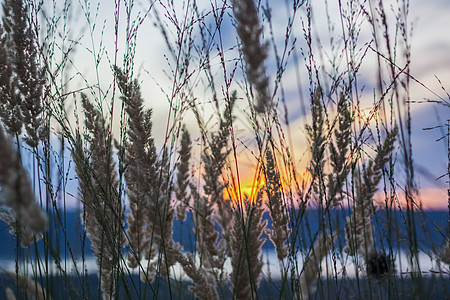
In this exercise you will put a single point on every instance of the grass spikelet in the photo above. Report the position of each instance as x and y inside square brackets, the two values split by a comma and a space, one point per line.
[211, 255]
[317, 140]
[358, 227]
[311, 266]
[27, 237]
[151, 216]
[249, 31]
[246, 241]
[339, 151]
[202, 287]
[212, 252]
[10, 294]
[98, 186]
[445, 253]
[33, 289]
[183, 174]
[17, 191]
[140, 155]
[10, 111]
[280, 232]
[26, 88]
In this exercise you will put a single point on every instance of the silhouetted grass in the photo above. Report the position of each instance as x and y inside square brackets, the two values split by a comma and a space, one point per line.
[333, 206]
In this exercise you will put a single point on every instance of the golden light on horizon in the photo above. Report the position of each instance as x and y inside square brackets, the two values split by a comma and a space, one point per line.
[251, 182]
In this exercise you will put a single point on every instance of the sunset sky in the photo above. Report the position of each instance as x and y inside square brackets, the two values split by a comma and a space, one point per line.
[430, 50]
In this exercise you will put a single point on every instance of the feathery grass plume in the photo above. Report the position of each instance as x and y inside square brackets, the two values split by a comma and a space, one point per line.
[445, 253]
[98, 183]
[151, 217]
[141, 174]
[161, 233]
[10, 111]
[358, 226]
[339, 151]
[33, 289]
[206, 236]
[278, 213]
[183, 174]
[214, 160]
[10, 294]
[311, 266]
[18, 193]
[27, 75]
[255, 52]
[220, 151]
[202, 287]
[246, 241]
[27, 237]
[211, 251]
[317, 139]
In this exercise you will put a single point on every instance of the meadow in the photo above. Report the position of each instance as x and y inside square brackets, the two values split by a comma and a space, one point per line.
[221, 150]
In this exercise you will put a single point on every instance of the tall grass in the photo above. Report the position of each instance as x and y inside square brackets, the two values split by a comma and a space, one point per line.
[332, 205]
